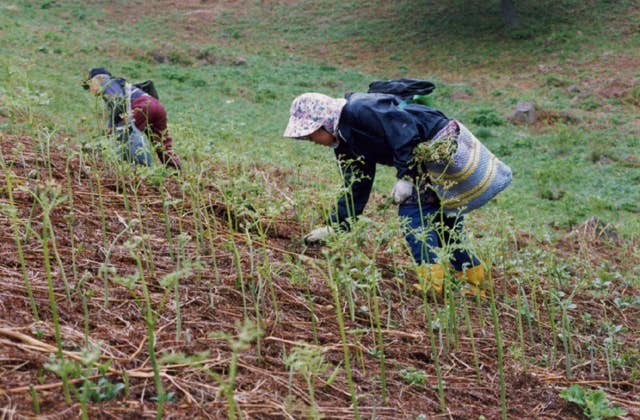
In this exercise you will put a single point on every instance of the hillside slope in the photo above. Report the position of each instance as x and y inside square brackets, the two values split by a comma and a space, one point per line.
[124, 286]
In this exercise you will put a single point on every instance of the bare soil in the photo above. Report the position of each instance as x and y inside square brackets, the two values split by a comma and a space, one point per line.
[211, 301]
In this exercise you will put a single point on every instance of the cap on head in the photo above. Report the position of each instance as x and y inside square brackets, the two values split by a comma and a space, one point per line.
[98, 70]
[93, 73]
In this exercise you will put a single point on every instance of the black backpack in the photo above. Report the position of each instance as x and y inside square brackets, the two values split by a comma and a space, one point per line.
[148, 87]
[409, 90]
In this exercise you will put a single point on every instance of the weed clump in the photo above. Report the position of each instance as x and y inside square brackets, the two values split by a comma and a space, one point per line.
[486, 117]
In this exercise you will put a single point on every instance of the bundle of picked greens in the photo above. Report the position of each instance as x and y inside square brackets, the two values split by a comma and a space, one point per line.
[439, 150]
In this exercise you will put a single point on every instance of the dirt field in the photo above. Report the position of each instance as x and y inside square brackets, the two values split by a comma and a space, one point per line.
[212, 303]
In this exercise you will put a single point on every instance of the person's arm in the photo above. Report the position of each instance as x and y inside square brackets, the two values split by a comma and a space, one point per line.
[166, 154]
[389, 127]
[115, 99]
[358, 180]
[413, 124]
[402, 133]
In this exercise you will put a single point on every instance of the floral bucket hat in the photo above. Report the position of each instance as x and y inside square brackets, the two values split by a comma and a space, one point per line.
[310, 111]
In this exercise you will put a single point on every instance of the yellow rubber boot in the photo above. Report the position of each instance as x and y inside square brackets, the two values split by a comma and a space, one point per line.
[475, 277]
[432, 276]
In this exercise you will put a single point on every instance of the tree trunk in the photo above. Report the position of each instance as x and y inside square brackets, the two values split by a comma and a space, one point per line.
[509, 13]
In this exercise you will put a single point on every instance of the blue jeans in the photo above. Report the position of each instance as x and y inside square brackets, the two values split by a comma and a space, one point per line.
[424, 232]
[133, 146]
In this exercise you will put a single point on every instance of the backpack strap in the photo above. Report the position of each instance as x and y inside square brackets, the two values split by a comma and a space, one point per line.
[127, 90]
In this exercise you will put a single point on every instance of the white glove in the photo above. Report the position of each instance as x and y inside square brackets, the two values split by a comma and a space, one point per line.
[401, 191]
[318, 235]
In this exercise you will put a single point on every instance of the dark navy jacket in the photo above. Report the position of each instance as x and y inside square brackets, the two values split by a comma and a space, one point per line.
[378, 128]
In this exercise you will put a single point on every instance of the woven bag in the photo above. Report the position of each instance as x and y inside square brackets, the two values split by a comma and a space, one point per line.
[471, 178]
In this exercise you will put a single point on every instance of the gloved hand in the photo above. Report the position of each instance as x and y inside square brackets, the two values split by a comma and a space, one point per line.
[318, 235]
[401, 191]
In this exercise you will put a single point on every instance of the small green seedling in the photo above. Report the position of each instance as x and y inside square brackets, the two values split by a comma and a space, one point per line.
[413, 376]
[594, 403]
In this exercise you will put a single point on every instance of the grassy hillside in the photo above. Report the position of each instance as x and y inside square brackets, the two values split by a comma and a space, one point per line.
[98, 256]
[228, 72]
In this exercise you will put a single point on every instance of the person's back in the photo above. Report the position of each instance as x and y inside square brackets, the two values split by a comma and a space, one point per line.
[377, 128]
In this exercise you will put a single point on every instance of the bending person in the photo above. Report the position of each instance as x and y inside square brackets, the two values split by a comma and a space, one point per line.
[367, 129]
[149, 114]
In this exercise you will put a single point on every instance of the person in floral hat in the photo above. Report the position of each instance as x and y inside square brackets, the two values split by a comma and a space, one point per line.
[366, 129]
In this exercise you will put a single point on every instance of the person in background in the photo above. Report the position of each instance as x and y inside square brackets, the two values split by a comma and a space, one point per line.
[149, 114]
[366, 129]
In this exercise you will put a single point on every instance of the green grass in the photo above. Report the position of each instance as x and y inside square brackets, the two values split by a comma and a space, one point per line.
[237, 107]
